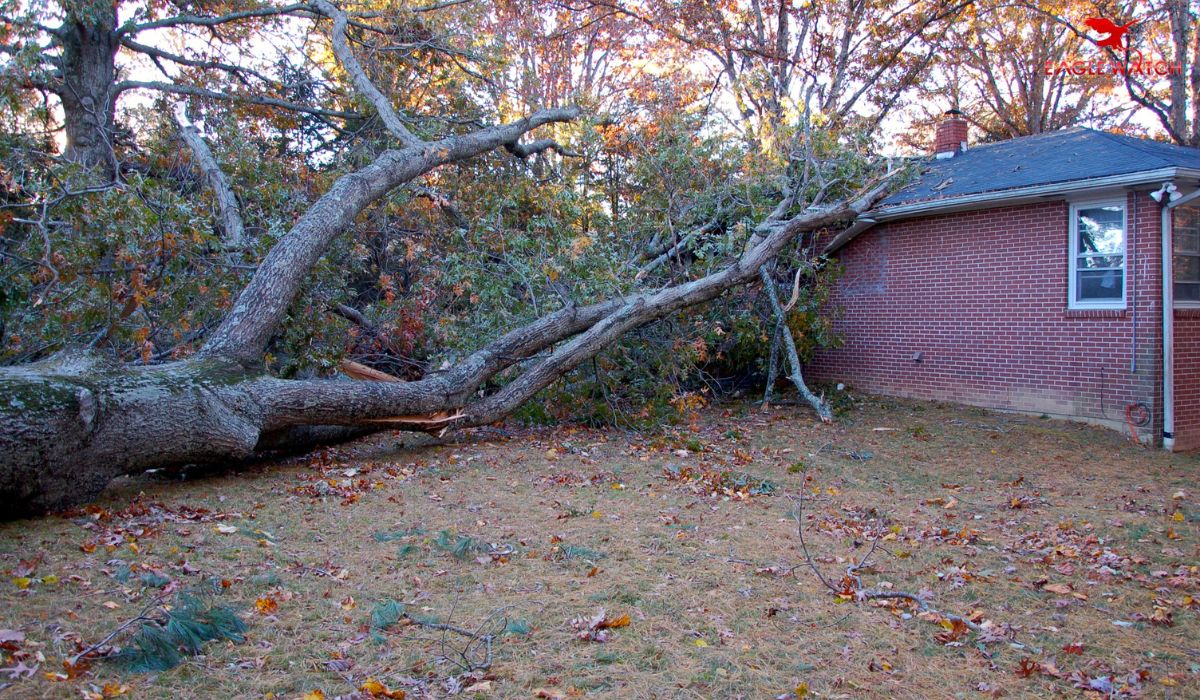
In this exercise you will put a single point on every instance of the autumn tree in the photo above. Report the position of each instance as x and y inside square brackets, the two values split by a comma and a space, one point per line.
[846, 61]
[1161, 33]
[1168, 30]
[992, 67]
[85, 60]
[72, 421]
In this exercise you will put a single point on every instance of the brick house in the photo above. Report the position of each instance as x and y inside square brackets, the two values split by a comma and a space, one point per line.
[1028, 275]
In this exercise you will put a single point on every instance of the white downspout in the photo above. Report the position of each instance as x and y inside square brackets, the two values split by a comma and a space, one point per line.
[1168, 331]
[1173, 199]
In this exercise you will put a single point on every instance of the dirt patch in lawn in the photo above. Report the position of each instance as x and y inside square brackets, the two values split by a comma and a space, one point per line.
[1075, 550]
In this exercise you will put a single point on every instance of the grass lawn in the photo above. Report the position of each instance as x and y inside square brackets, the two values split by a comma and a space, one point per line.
[1075, 550]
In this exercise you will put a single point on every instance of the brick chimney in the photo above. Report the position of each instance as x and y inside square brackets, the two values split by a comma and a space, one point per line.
[951, 135]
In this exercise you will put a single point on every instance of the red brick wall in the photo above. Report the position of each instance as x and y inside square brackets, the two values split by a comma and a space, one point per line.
[1187, 379]
[982, 296]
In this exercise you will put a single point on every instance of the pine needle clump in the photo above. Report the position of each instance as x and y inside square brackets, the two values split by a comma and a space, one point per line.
[173, 632]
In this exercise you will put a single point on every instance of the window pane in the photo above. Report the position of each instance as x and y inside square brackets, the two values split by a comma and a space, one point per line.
[1101, 230]
[1100, 261]
[1187, 268]
[1187, 230]
[1100, 285]
[1187, 240]
[1187, 291]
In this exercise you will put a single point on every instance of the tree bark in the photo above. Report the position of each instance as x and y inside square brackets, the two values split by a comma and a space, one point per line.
[88, 68]
[73, 423]
[70, 425]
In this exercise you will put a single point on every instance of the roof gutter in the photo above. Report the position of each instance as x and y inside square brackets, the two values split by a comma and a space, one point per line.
[982, 199]
[860, 224]
[965, 201]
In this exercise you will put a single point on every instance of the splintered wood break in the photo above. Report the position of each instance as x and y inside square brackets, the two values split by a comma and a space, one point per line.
[436, 424]
[355, 370]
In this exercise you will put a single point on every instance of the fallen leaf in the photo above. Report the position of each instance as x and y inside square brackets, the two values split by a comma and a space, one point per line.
[113, 689]
[21, 670]
[226, 529]
[955, 630]
[1026, 667]
[266, 606]
[1161, 616]
[317, 694]
[622, 621]
[379, 690]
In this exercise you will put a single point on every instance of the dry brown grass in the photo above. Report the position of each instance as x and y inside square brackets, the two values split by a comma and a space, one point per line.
[994, 501]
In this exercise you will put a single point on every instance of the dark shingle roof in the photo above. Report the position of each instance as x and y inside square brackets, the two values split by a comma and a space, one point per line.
[1062, 156]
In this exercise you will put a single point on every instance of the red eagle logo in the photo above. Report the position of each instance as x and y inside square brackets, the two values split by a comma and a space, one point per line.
[1114, 34]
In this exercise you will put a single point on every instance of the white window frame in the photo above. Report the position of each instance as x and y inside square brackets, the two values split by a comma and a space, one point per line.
[1178, 304]
[1073, 250]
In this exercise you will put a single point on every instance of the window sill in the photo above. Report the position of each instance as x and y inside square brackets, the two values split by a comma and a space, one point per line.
[1187, 311]
[1095, 313]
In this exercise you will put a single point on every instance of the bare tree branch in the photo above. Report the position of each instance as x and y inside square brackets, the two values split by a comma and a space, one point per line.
[819, 404]
[158, 53]
[538, 146]
[231, 218]
[201, 21]
[194, 91]
[359, 76]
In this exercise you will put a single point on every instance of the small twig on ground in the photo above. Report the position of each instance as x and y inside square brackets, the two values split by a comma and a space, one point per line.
[470, 658]
[852, 585]
[141, 617]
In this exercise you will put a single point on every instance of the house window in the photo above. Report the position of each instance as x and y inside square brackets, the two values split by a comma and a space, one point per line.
[1186, 235]
[1097, 256]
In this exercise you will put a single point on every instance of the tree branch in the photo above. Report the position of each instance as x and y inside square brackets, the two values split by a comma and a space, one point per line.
[158, 53]
[641, 309]
[534, 147]
[819, 404]
[359, 76]
[194, 91]
[201, 21]
[231, 218]
[244, 333]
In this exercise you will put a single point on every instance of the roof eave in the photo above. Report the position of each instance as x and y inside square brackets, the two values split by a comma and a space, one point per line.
[1012, 196]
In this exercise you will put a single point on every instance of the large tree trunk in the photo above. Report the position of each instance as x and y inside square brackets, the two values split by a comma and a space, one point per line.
[71, 424]
[88, 66]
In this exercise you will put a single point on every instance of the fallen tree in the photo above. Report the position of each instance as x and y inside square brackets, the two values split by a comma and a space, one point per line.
[72, 423]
